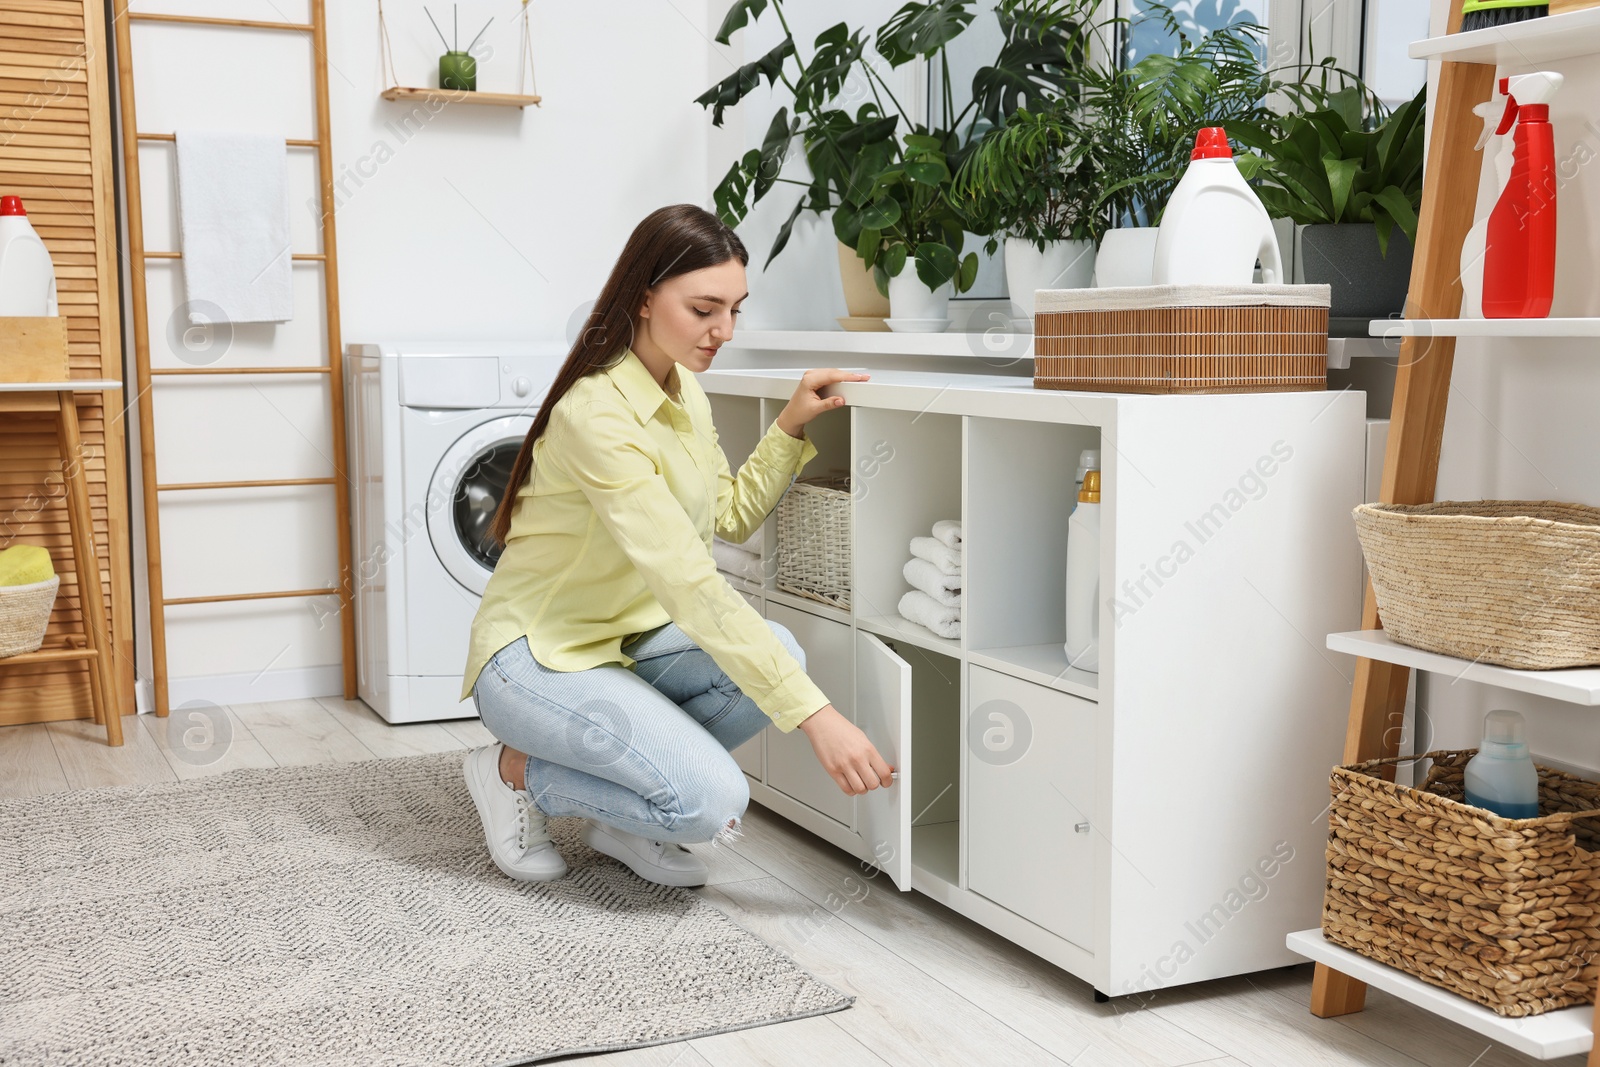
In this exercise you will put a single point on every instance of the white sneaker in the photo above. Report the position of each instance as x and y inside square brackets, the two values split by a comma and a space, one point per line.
[664, 862]
[512, 824]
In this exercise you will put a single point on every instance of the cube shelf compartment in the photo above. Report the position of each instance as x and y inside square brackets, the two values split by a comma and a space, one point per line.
[1089, 817]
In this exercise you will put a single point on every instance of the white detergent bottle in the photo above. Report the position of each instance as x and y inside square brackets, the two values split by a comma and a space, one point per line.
[1501, 777]
[1083, 578]
[1499, 115]
[1215, 228]
[27, 276]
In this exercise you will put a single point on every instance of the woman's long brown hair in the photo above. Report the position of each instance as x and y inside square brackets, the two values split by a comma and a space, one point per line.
[670, 241]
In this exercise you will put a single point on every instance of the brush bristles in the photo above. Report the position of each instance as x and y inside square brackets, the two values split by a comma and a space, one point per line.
[1484, 18]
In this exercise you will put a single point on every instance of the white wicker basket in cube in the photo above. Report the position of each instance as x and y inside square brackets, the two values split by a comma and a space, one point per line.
[814, 539]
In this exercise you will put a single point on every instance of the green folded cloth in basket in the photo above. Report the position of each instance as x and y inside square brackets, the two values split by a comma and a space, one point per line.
[25, 565]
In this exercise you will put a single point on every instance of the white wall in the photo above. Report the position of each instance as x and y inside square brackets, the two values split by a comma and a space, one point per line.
[1522, 421]
[490, 223]
[471, 222]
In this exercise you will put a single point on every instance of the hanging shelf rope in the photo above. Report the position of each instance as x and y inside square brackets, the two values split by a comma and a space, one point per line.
[519, 99]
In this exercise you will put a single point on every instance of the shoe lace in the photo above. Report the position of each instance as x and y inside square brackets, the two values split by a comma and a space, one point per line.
[523, 816]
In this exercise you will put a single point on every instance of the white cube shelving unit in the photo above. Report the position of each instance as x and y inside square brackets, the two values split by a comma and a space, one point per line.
[1154, 824]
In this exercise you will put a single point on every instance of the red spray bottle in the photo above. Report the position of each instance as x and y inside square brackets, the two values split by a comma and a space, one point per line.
[1519, 263]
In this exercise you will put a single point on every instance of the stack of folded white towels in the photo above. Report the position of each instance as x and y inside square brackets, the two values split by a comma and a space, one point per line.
[740, 560]
[934, 571]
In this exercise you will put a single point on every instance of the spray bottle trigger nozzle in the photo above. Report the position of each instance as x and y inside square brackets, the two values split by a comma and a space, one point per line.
[1509, 118]
[1495, 119]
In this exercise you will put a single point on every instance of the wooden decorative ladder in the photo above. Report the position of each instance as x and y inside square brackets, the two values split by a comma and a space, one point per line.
[316, 30]
[1411, 464]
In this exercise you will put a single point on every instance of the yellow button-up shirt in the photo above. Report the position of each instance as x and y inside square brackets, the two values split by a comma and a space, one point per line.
[611, 536]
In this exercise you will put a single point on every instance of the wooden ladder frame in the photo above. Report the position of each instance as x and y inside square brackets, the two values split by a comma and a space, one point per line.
[317, 29]
[1416, 422]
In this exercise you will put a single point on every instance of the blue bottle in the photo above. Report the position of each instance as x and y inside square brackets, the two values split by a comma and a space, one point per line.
[1502, 778]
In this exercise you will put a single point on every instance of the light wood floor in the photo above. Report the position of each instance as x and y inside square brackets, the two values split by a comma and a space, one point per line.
[931, 986]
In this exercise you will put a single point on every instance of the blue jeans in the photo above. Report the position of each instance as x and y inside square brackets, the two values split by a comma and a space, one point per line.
[645, 750]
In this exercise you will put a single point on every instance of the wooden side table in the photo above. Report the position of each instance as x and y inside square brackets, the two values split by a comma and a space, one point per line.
[57, 396]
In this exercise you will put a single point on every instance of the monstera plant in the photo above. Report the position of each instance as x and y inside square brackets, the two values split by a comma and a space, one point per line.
[887, 178]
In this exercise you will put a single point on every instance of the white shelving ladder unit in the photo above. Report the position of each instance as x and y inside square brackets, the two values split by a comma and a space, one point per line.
[1410, 468]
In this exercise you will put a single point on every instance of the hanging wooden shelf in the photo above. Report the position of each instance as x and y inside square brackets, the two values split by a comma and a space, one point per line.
[459, 96]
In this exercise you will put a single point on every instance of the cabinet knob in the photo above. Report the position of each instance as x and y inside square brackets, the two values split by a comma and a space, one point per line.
[1081, 828]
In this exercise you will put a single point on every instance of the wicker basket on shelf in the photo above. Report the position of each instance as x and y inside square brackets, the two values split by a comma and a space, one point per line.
[1504, 912]
[1182, 338]
[25, 615]
[814, 538]
[1514, 583]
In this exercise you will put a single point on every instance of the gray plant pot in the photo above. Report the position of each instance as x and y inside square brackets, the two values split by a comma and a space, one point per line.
[1345, 256]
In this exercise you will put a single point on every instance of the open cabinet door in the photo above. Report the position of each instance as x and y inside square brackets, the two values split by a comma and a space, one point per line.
[883, 711]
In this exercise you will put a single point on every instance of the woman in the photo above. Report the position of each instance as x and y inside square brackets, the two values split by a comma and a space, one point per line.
[614, 663]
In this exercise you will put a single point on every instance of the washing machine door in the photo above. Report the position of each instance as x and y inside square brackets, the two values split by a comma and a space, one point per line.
[471, 478]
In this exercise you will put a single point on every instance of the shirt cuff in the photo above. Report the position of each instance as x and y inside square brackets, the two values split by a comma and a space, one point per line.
[793, 701]
[788, 453]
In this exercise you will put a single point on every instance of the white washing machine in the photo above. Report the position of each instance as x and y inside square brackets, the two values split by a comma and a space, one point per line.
[433, 429]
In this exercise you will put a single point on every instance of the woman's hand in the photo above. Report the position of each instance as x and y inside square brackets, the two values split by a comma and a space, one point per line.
[806, 405]
[845, 752]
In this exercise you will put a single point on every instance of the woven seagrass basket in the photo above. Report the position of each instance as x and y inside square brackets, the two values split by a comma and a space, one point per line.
[1182, 338]
[814, 538]
[25, 615]
[1515, 583]
[1505, 912]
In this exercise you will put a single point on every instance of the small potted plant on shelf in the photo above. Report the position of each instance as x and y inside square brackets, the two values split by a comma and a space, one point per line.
[888, 191]
[1036, 180]
[1350, 173]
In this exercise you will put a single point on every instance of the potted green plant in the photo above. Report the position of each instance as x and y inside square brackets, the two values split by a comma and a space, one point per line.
[1035, 180]
[1145, 117]
[1350, 173]
[888, 191]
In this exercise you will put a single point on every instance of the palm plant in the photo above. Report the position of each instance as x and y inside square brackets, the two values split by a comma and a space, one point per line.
[1145, 115]
[1037, 175]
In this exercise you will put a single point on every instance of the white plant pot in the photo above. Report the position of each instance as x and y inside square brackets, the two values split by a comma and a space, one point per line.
[1127, 256]
[1062, 265]
[911, 301]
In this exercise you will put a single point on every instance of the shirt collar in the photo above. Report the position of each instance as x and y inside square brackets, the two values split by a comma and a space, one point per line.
[639, 386]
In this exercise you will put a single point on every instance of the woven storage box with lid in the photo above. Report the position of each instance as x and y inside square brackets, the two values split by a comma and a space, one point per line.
[1515, 583]
[1182, 339]
[814, 538]
[1505, 912]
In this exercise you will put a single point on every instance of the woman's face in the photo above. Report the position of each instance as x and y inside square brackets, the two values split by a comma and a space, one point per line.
[688, 317]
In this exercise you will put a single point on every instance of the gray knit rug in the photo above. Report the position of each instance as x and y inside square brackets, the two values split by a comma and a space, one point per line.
[347, 913]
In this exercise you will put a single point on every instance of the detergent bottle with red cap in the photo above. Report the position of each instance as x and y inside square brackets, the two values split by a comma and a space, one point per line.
[1519, 260]
[27, 276]
[1215, 227]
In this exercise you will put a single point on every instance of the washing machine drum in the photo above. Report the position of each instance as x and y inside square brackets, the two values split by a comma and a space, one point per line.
[469, 482]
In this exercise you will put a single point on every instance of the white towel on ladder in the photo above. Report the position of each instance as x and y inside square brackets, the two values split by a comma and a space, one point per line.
[233, 219]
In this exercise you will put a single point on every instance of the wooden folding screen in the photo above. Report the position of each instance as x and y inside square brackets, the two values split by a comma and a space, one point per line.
[56, 153]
